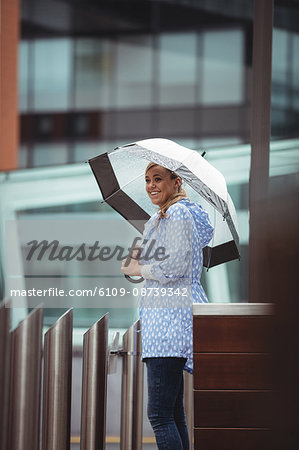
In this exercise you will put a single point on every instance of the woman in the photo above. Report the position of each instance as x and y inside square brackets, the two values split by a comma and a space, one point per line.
[172, 284]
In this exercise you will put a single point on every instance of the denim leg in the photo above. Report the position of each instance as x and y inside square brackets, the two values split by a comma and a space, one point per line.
[180, 418]
[165, 393]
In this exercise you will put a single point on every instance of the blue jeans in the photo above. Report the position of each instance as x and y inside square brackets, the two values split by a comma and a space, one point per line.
[165, 407]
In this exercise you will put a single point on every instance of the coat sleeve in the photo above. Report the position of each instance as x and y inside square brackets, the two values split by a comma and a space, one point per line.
[204, 228]
[176, 238]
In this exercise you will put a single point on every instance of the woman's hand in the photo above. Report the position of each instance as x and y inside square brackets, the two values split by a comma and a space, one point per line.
[131, 265]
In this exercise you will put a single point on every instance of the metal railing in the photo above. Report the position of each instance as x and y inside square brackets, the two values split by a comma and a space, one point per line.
[25, 383]
[57, 384]
[4, 371]
[132, 390]
[94, 386]
[22, 386]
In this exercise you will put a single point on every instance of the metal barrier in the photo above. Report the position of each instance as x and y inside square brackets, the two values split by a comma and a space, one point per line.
[94, 386]
[4, 371]
[132, 390]
[24, 400]
[189, 405]
[25, 388]
[57, 384]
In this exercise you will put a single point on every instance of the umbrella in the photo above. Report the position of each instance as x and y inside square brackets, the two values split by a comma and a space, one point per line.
[120, 176]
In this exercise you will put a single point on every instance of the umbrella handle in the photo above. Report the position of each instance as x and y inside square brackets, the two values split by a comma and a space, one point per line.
[132, 280]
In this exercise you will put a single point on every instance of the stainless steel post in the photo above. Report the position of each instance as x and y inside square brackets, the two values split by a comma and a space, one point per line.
[57, 384]
[94, 386]
[189, 405]
[138, 391]
[4, 370]
[126, 425]
[132, 390]
[25, 388]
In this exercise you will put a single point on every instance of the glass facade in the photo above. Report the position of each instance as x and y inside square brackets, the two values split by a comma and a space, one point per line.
[285, 71]
[109, 73]
[186, 80]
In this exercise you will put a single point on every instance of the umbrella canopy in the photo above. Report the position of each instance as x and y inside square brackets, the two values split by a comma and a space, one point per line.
[120, 176]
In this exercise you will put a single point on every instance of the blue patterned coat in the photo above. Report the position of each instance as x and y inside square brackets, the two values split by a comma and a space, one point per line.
[172, 280]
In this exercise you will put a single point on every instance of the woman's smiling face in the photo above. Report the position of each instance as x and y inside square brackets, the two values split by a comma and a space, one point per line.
[159, 185]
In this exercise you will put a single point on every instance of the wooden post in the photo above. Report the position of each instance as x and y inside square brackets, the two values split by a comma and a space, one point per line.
[260, 141]
[9, 43]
